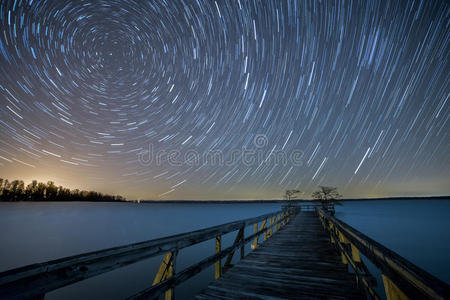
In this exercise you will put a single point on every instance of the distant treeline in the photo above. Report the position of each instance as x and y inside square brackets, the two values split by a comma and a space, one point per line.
[39, 191]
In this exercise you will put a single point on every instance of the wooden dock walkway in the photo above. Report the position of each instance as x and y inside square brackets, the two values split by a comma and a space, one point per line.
[298, 262]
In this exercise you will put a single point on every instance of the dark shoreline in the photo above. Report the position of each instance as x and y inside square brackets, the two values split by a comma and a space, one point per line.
[291, 201]
[307, 201]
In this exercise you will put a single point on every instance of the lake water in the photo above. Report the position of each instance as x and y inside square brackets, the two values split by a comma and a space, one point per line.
[37, 232]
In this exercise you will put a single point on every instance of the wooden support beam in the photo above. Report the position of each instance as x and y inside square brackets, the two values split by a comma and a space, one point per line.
[239, 238]
[391, 290]
[163, 267]
[218, 264]
[169, 294]
[165, 271]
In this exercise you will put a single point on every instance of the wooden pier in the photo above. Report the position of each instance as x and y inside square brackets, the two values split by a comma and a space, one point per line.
[296, 263]
[301, 252]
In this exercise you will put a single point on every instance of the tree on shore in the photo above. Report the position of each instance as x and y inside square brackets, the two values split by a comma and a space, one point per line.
[39, 191]
[326, 195]
[290, 194]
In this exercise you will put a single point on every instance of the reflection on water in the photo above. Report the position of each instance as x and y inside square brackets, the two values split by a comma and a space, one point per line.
[37, 232]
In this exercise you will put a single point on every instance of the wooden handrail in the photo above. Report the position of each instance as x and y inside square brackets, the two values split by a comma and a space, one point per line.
[159, 289]
[39, 279]
[408, 279]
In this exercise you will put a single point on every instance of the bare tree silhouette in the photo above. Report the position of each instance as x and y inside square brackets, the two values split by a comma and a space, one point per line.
[327, 195]
[290, 194]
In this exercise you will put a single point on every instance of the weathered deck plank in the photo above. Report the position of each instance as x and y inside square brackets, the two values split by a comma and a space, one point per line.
[296, 263]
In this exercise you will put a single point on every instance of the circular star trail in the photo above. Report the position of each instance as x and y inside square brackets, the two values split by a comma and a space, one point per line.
[197, 99]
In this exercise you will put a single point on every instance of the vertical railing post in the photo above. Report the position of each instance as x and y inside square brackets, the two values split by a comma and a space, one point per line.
[355, 254]
[166, 270]
[392, 291]
[255, 242]
[343, 240]
[271, 227]
[170, 294]
[218, 264]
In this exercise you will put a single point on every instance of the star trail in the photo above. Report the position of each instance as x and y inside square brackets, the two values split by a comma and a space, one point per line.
[139, 97]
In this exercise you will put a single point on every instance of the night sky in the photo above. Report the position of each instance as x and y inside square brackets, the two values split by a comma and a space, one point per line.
[226, 99]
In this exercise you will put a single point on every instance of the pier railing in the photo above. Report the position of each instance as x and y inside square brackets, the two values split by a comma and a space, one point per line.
[401, 278]
[34, 281]
[297, 207]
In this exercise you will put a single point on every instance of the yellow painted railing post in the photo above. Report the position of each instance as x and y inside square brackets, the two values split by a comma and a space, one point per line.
[255, 242]
[168, 295]
[218, 264]
[355, 254]
[165, 271]
[392, 291]
[343, 240]
[271, 227]
[344, 259]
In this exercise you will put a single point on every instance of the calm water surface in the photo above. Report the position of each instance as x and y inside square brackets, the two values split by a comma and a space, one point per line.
[37, 232]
